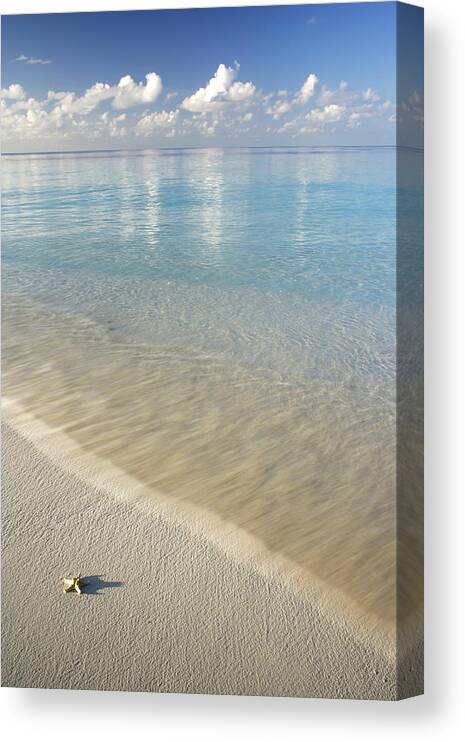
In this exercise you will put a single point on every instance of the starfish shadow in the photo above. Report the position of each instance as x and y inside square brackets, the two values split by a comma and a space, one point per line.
[95, 584]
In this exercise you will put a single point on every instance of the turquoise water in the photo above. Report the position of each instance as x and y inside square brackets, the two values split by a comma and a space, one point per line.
[267, 242]
[221, 323]
[317, 223]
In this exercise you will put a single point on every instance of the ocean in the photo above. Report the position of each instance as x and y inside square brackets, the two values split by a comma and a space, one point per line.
[221, 324]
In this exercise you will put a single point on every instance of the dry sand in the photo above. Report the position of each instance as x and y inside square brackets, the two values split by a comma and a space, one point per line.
[174, 601]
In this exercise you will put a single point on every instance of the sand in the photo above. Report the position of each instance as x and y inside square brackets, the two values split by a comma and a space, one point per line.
[174, 601]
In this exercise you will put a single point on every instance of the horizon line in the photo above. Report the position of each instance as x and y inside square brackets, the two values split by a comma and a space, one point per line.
[201, 147]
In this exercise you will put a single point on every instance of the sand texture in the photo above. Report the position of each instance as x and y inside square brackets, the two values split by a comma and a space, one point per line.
[165, 609]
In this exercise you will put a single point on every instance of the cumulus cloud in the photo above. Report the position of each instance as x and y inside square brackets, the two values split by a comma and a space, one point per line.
[130, 93]
[159, 119]
[281, 105]
[340, 94]
[240, 91]
[219, 89]
[331, 112]
[32, 60]
[64, 115]
[370, 95]
[307, 89]
[222, 108]
[69, 103]
[279, 108]
[208, 128]
[108, 125]
[13, 92]
[356, 117]
[56, 95]
[342, 106]
[124, 95]
[309, 130]
[206, 98]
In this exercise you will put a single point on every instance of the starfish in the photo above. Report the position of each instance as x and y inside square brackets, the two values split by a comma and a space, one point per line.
[72, 583]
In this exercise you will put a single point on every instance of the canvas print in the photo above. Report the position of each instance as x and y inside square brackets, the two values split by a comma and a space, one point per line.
[212, 292]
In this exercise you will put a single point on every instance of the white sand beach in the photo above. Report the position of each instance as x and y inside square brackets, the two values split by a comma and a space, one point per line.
[165, 609]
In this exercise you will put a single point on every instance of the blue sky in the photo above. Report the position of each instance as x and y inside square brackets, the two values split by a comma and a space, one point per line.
[307, 74]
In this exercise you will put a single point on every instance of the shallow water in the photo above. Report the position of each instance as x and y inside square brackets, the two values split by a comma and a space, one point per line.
[221, 324]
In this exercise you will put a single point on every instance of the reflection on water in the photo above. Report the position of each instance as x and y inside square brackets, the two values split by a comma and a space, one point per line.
[222, 326]
[209, 202]
[277, 221]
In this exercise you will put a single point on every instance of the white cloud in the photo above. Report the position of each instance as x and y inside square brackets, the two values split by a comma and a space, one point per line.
[220, 88]
[68, 103]
[279, 108]
[124, 95]
[130, 93]
[223, 107]
[370, 95]
[13, 92]
[109, 125]
[341, 93]
[159, 119]
[208, 128]
[52, 95]
[331, 112]
[64, 116]
[308, 130]
[307, 89]
[240, 91]
[32, 60]
[356, 117]
[288, 125]
[205, 98]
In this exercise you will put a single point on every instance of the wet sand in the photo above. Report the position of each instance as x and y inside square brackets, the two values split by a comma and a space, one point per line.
[306, 466]
[175, 602]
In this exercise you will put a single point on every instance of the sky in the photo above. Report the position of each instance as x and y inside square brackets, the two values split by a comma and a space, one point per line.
[244, 76]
